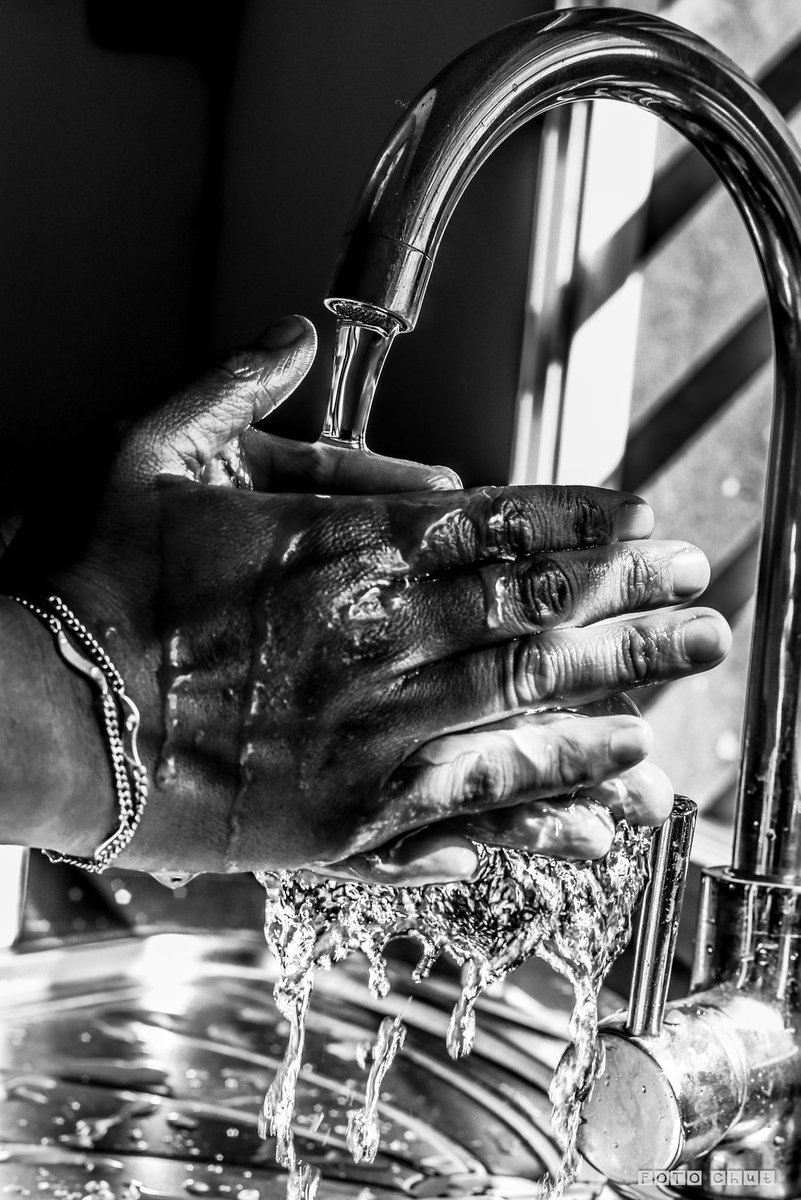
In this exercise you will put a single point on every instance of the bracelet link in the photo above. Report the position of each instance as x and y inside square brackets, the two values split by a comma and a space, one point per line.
[121, 721]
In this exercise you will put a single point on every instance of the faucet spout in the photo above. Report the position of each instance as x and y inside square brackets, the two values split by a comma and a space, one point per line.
[437, 147]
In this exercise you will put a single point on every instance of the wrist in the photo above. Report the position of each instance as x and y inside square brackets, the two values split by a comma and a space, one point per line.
[56, 783]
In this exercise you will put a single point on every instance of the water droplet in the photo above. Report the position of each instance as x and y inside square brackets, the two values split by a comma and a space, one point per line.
[180, 1120]
[174, 679]
[174, 879]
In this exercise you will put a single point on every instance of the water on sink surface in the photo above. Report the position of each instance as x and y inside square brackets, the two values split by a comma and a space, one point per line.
[197, 1050]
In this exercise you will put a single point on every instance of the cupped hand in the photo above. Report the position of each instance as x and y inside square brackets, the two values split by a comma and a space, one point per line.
[324, 674]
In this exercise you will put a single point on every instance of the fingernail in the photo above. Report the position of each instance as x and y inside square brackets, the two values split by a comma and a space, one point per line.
[633, 521]
[690, 572]
[706, 639]
[443, 479]
[631, 742]
[283, 333]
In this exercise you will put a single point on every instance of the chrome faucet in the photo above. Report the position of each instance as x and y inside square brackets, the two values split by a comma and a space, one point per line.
[712, 1081]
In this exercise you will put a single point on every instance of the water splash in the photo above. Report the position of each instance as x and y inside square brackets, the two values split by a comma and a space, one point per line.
[279, 1104]
[576, 916]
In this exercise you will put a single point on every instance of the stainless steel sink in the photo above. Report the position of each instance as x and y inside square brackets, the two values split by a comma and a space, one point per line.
[142, 1062]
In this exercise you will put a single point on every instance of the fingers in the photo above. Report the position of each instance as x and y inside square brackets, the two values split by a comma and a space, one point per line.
[569, 667]
[185, 434]
[567, 829]
[278, 464]
[493, 523]
[511, 599]
[579, 827]
[576, 827]
[434, 532]
[523, 758]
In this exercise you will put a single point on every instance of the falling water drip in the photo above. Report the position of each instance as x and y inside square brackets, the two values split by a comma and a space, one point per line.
[462, 1026]
[292, 998]
[303, 1184]
[363, 1131]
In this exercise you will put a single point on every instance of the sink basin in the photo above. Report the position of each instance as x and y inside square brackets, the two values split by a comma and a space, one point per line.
[142, 1062]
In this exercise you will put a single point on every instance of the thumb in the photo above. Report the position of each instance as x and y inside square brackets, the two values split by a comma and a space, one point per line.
[204, 416]
[277, 464]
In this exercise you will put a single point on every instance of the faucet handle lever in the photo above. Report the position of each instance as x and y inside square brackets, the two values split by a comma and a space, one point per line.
[659, 919]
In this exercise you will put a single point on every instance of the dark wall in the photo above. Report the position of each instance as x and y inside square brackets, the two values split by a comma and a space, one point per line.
[173, 182]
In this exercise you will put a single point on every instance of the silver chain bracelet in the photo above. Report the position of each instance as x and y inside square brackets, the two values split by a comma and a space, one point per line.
[121, 721]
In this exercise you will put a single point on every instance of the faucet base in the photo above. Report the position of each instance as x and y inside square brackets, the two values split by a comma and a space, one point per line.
[716, 1093]
[664, 1099]
[749, 941]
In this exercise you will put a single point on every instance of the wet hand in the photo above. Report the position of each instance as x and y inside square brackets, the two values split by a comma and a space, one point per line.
[319, 673]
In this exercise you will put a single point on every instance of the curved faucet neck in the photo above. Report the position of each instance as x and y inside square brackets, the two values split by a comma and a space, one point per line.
[443, 139]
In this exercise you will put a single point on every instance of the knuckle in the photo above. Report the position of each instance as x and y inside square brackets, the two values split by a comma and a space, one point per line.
[502, 522]
[531, 672]
[640, 654]
[573, 764]
[453, 534]
[546, 592]
[488, 781]
[241, 364]
[590, 521]
[516, 524]
[642, 575]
